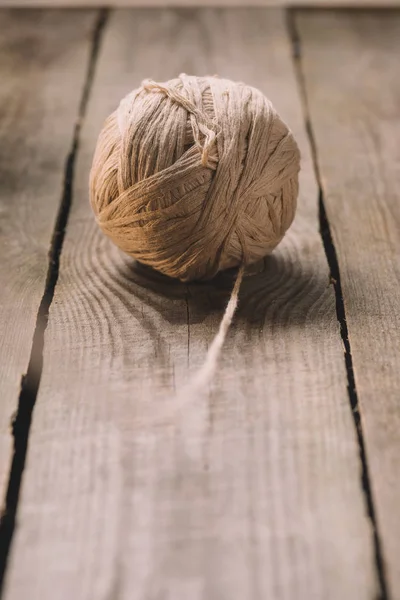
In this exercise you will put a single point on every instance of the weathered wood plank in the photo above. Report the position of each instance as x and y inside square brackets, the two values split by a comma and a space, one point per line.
[210, 3]
[38, 109]
[252, 492]
[354, 97]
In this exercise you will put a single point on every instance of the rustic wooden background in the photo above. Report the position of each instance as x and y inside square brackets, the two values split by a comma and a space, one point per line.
[283, 483]
[198, 3]
[379, 4]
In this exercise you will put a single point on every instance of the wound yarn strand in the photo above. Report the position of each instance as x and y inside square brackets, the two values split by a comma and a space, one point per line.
[195, 175]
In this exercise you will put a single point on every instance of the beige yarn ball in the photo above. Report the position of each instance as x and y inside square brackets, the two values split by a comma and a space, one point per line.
[195, 175]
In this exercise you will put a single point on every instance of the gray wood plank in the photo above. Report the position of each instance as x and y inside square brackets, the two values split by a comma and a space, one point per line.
[250, 492]
[354, 97]
[38, 109]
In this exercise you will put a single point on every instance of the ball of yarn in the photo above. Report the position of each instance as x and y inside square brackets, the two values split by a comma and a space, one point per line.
[195, 175]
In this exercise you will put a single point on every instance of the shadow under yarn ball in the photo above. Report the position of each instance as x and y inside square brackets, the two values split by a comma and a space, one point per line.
[195, 175]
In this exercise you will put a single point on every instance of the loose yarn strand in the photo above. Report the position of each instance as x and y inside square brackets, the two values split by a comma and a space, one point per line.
[207, 370]
[196, 386]
[199, 382]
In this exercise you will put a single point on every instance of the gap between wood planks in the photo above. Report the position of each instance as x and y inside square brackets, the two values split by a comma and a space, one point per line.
[30, 382]
[21, 419]
[331, 256]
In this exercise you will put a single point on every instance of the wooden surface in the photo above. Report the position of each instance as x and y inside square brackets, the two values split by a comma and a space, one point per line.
[38, 110]
[356, 121]
[252, 492]
[205, 3]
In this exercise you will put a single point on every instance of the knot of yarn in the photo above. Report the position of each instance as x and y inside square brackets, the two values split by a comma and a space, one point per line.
[195, 175]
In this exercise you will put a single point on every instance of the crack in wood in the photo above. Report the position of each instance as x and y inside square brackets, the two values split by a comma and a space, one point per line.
[331, 256]
[30, 382]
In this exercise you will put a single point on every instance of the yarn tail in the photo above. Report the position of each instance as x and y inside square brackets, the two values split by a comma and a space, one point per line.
[192, 391]
[204, 375]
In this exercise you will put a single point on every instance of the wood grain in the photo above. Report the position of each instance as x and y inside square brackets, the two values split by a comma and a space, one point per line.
[205, 3]
[251, 492]
[356, 120]
[38, 109]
